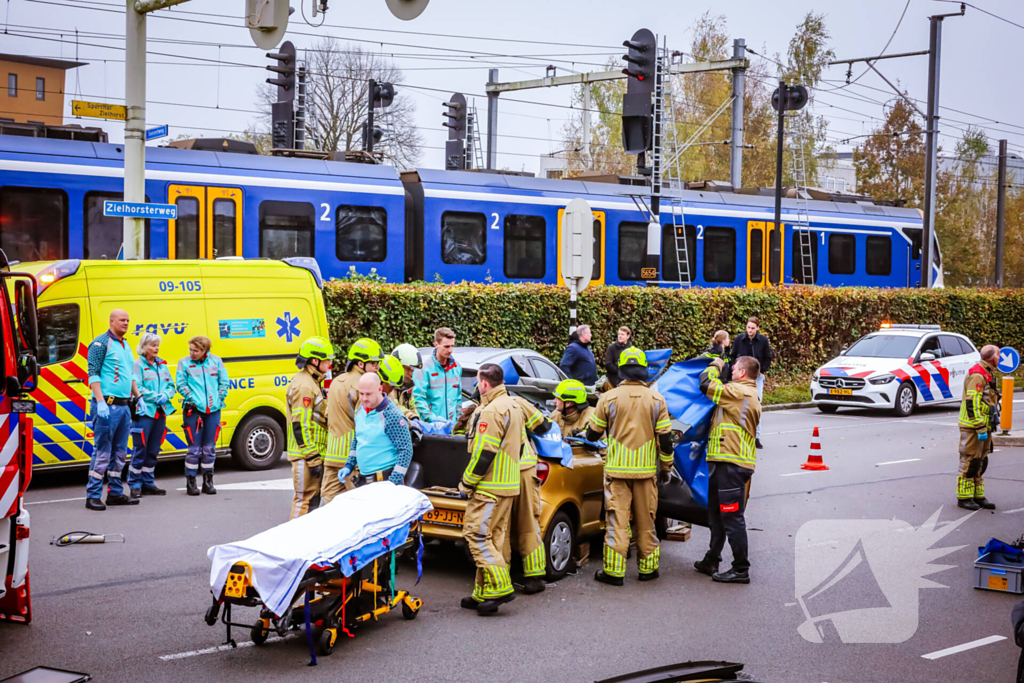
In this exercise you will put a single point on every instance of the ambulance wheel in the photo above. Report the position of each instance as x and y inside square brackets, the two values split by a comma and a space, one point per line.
[258, 443]
[408, 612]
[826, 408]
[904, 400]
[259, 632]
[559, 544]
[327, 641]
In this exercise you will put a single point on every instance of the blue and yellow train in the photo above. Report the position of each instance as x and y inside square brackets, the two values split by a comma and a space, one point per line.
[426, 224]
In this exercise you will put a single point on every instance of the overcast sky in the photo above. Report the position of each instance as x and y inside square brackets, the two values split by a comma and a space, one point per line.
[980, 73]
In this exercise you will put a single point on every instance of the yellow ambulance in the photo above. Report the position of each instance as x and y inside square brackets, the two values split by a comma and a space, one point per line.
[256, 312]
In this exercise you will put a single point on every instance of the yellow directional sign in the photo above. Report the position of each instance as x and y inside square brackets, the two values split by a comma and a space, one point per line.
[99, 110]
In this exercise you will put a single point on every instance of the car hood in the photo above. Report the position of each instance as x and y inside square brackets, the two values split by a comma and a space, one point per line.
[858, 366]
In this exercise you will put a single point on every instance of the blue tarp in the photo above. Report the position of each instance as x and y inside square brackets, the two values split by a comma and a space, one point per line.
[680, 385]
[656, 360]
[552, 447]
[511, 374]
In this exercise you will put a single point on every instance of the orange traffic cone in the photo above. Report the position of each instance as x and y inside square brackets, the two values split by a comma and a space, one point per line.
[814, 461]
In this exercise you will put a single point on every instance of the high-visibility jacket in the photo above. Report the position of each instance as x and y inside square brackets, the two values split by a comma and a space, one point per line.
[734, 425]
[406, 401]
[438, 390]
[111, 362]
[495, 444]
[978, 399]
[633, 415]
[203, 383]
[153, 381]
[578, 420]
[342, 401]
[532, 418]
[306, 417]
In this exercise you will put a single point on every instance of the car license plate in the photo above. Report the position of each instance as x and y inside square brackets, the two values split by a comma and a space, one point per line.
[444, 517]
[841, 392]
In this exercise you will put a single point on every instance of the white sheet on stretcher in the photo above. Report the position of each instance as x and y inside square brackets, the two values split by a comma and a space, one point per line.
[279, 557]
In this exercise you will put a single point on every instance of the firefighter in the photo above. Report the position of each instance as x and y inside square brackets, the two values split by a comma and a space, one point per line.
[342, 401]
[381, 446]
[732, 453]
[979, 406]
[392, 377]
[636, 421]
[307, 421]
[572, 412]
[491, 483]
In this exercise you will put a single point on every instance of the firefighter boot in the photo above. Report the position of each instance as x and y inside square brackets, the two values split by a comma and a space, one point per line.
[599, 575]
[491, 606]
[469, 602]
[533, 584]
[190, 486]
[984, 503]
[968, 504]
[208, 483]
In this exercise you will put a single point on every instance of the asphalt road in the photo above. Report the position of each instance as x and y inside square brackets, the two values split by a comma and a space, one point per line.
[133, 611]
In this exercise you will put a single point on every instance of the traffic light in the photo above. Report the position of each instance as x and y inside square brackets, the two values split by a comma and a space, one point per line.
[455, 147]
[795, 96]
[369, 142]
[285, 66]
[382, 95]
[642, 61]
[637, 109]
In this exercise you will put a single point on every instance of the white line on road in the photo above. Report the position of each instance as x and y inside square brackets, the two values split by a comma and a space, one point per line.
[218, 648]
[1010, 512]
[793, 474]
[61, 500]
[961, 648]
[896, 462]
[263, 485]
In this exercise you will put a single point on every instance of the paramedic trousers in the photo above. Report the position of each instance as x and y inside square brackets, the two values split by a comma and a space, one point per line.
[110, 449]
[331, 485]
[620, 497]
[525, 523]
[201, 432]
[973, 463]
[727, 500]
[484, 528]
[306, 486]
[147, 438]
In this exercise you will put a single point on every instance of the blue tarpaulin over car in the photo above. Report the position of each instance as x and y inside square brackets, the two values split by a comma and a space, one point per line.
[680, 385]
[656, 360]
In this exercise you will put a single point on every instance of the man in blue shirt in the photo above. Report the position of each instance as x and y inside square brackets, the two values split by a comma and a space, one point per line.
[111, 379]
[382, 445]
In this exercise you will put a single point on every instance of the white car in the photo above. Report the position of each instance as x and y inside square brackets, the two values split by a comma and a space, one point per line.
[897, 368]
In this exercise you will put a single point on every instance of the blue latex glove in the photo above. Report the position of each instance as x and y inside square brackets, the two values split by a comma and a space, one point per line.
[344, 473]
[102, 410]
[140, 407]
[983, 436]
[161, 399]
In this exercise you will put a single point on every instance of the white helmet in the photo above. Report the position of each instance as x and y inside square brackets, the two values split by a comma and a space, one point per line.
[408, 355]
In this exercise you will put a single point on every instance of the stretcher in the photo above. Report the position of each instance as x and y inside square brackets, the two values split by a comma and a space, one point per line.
[326, 572]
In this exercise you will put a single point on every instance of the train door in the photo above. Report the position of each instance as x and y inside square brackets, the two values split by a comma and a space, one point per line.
[914, 257]
[597, 277]
[209, 222]
[764, 239]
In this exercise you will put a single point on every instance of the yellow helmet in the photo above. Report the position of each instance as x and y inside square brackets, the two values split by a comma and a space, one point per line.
[391, 371]
[365, 350]
[571, 390]
[316, 348]
[632, 356]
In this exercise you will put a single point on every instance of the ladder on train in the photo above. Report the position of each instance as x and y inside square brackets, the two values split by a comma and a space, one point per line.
[802, 226]
[474, 150]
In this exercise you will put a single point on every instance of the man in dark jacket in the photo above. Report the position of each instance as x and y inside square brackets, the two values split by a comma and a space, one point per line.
[753, 343]
[578, 360]
[611, 355]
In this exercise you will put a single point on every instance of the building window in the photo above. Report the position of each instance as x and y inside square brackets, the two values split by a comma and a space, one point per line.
[632, 249]
[463, 238]
[842, 254]
[12, 85]
[719, 254]
[103, 235]
[33, 224]
[286, 229]
[878, 255]
[360, 233]
[669, 250]
[797, 259]
[525, 238]
[40, 88]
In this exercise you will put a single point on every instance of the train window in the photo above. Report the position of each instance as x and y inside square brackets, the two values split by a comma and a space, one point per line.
[286, 229]
[915, 242]
[463, 238]
[797, 260]
[33, 223]
[58, 333]
[360, 233]
[842, 254]
[878, 255]
[756, 250]
[719, 254]
[525, 238]
[669, 259]
[186, 228]
[103, 235]
[632, 249]
[225, 234]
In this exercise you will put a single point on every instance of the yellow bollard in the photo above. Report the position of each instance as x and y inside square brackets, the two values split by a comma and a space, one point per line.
[1006, 410]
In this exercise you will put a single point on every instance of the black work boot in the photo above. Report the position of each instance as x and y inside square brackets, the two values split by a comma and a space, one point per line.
[985, 504]
[152, 490]
[599, 575]
[208, 483]
[533, 584]
[758, 444]
[94, 504]
[968, 504]
[121, 500]
[190, 486]
[488, 607]
[469, 602]
[705, 567]
[732, 576]
[650, 576]
[136, 494]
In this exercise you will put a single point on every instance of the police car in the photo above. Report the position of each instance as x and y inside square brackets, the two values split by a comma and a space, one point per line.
[897, 368]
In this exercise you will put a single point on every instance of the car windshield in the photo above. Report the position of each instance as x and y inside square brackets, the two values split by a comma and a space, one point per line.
[883, 346]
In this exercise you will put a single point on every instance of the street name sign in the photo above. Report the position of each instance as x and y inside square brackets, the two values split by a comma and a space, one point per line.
[139, 210]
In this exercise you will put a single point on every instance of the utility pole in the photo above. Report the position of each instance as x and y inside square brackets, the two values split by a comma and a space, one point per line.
[586, 126]
[1000, 212]
[492, 120]
[739, 52]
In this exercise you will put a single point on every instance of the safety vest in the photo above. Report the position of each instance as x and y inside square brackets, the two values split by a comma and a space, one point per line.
[498, 428]
[978, 396]
[375, 452]
[633, 415]
[306, 416]
[734, 425]
[342, 402]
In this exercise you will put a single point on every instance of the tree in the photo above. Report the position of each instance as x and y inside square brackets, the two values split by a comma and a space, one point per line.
[890, 163]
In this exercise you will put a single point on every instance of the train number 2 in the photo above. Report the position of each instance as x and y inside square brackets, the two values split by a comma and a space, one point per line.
[494, 225]
[327, 210]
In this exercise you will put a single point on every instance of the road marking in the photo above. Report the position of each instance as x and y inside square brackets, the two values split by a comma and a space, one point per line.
[1010, 512]
[61, 500]
[793, 474]
[218, 648]
[264, 485]
[961, 648]
[896, 462]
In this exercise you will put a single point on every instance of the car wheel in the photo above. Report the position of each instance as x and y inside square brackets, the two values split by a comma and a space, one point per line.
[826, 408]
[258, 443]
[904, 400]
[559, 544]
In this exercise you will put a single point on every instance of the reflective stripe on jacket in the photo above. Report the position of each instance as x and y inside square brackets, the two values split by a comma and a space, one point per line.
[532, 418]
[497, 427]
[733, 428]
[203, 383]
[307, 417]
[633, 415]
[154, 381]
[438, 390]
[978, 398]
[342, 401]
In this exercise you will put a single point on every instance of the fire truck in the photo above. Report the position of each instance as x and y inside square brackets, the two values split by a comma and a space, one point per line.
[18, 376]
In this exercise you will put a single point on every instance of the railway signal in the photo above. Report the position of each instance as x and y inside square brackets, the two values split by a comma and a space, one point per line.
[455, 147]
[641, 59]
[637, 110]
[282, 112]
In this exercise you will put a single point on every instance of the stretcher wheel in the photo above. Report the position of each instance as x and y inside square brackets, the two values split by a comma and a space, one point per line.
[211, 614]
[408, 612]
[328, 639]
[259, 633]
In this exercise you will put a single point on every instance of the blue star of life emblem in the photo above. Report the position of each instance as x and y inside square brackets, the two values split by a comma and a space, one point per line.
[288, 327]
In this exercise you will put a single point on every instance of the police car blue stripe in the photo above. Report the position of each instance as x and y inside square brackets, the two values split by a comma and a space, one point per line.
[922, 388]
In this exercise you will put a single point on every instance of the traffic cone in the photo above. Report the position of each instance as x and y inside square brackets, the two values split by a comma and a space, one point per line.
[814, 461]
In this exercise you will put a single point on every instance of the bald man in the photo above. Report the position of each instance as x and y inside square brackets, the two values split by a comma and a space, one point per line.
[382, 444]
[111, 380]
[980, 402]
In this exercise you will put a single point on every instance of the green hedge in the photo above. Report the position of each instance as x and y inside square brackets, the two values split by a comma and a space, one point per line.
[806, 325]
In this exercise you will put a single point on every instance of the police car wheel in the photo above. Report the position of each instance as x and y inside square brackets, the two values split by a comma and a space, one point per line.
[559, 544]
[827, 408]
[904, 400]
[258, 443]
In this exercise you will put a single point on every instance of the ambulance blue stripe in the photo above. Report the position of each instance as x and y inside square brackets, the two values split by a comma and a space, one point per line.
[39, 437]
[176, 440]
[57, 452]
[75, 411]
[67, 432]
[48, 416]
[923, 389]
